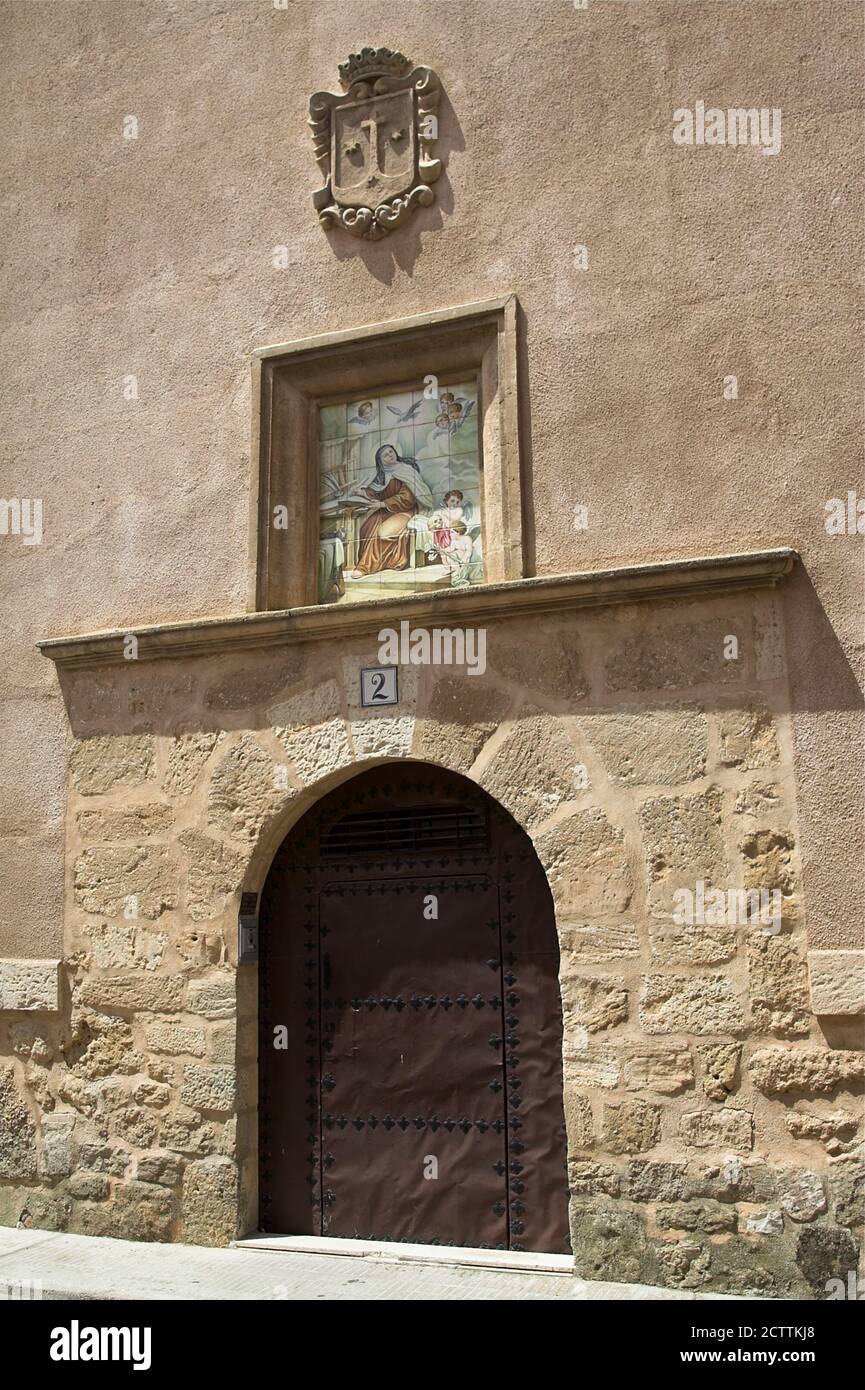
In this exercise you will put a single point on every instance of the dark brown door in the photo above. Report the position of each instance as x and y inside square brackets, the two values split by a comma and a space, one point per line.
[410, 1051]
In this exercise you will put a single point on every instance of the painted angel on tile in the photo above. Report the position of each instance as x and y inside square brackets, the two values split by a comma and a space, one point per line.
[364, 415]
[454, 412]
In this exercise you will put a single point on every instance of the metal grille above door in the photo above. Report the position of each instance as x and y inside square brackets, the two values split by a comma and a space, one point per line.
[409, 969]
[420, 831]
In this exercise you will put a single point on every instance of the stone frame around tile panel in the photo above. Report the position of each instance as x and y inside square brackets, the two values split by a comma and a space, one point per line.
[290, 378]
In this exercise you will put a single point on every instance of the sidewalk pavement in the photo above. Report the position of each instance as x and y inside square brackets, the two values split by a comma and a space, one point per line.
[94, 1267]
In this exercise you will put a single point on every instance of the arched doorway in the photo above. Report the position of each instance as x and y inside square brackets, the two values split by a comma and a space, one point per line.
[410, 1022]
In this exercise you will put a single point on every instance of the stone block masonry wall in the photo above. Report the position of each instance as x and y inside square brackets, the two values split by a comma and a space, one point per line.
[713, 1119]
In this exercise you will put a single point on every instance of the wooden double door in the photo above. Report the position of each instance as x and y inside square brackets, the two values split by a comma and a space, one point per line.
[410, 1022]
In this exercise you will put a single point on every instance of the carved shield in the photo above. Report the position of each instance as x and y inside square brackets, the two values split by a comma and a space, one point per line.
[374, 143]
[374, 151]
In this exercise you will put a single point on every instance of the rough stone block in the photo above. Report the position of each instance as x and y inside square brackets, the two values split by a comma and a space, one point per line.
[184, 1133]
[215, 873]
[32, 985]
[253, 681]
[56, 1156]
[187, 756]
[104, 1158]
[768, 862]
[586, 862]
[802, 1195]
[666, 654]
[758, 799]
[811, 1070]
[824, 1253]
[533, 771]
[133, 1125]
[579, 1122]
[99, 764]
[778, 987]
[589, 1179]
[81, 1095]
[29, 1040]
[731, 1180]
[125, 822]
[148, 993]
[211, 1089]
[89, 1187]
[17, 1130]
[550, 663]
[103, 1046]
[380, 733]
[837, 982]
[748, 738]
[114, 945]
[718, 1129]
[690, 1004]
[136, 1211]
[683, 844]
[244, 792]
[593, 1003]
[591, 1067]
[461, 716]
[630, 1126]
[129, 880]
[646, 1181]
[600, 942]
[721, 1061]
[666, 1070]
[765, 1223]
[175, 1039]
[213, 998]
[829, 1129]
[153, 1093]
[209, 1205]
[847, 1186]
[34, 1209]
[658, 747]
[222, 1042]
[164, 1169]
[711, 1217]
[689, 943]
[609, 1242]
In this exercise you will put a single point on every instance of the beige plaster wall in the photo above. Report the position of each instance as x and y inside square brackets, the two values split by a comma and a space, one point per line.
[154, 258]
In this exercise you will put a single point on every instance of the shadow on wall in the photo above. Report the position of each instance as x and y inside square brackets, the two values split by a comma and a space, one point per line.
[820, 675]
[383, 258]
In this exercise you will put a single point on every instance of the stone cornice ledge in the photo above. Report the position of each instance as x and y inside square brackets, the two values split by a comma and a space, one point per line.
[477, 604]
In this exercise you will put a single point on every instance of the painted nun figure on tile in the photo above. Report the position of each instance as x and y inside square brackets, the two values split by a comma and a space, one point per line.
[397, 492]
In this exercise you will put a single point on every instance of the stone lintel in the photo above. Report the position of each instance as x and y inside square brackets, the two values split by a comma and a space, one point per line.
[837, 982]
[29, 986]
[387, 327]
[548, 595]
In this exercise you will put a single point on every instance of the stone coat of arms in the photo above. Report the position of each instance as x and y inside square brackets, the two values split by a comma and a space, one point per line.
[373, 143]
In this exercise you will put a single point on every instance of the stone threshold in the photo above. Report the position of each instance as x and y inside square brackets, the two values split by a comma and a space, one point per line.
[552, 594]
[397, 1252]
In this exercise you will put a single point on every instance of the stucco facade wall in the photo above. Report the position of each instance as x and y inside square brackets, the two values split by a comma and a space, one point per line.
[153, 258]
[712, 1117]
